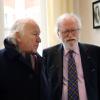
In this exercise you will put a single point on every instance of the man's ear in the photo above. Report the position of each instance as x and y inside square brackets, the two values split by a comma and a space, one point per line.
[17, 36]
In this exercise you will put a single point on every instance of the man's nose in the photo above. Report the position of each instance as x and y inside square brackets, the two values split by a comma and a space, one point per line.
[38, 39]
[70, 34]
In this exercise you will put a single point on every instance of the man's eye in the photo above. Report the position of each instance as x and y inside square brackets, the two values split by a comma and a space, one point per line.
[34, 33]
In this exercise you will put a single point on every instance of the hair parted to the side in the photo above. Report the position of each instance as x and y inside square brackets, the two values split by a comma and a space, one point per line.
[64, 17]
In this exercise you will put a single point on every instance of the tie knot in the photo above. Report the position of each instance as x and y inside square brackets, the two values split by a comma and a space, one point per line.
[70, 51]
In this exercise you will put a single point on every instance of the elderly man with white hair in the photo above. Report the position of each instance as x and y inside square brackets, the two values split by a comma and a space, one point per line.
[20, 64]
[72, 69]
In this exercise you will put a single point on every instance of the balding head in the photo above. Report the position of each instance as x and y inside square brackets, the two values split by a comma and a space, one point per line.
[21, 24]
[25, 35]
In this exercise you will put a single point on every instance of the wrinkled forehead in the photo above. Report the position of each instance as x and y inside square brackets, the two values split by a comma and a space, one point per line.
[31, 26]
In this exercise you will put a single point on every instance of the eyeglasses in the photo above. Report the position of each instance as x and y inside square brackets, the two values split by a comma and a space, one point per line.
[70, 31]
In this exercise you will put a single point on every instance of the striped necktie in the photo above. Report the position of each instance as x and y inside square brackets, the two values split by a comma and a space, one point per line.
[72, 78]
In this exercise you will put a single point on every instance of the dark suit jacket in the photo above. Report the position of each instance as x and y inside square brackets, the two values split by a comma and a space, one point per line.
[53, 70]
[17, 79]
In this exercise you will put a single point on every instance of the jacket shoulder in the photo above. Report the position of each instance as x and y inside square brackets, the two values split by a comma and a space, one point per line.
[53, 48]
[2, 53]
[89, 46]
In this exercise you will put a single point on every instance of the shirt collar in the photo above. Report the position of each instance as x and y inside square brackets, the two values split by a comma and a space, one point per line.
[75, 49]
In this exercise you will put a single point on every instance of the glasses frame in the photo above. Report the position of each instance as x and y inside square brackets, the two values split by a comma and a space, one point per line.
[70, 31]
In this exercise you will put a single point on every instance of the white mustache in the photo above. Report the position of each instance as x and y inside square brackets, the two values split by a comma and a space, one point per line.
[71, 39]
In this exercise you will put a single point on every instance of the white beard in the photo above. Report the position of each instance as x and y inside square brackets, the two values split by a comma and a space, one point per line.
[70, 46]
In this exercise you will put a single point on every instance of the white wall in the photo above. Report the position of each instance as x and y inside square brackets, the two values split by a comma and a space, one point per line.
[1, 23]
[88, 34]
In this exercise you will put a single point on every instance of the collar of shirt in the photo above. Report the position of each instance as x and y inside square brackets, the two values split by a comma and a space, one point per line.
[75, 49]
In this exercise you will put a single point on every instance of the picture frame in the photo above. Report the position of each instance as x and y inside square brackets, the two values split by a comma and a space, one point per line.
[96, 14]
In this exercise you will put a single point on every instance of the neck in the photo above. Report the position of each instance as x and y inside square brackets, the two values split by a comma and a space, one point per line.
[70, 46]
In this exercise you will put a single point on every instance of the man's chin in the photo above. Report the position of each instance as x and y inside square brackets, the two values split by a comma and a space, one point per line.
[34, 51]
[70, 44]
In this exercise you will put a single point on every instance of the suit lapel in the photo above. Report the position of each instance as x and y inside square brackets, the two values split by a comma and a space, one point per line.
[59, 66]
[89, 70]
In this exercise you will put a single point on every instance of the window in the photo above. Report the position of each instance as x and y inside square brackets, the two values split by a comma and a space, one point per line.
[15, 9]
[27, 8]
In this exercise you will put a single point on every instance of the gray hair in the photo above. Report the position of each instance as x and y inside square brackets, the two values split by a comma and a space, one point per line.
[64, 17]
[18, 26]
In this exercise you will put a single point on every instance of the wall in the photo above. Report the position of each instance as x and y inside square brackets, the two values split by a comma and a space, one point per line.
[54, 9]
[88, 34]
[81, 7]
[1, 23]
